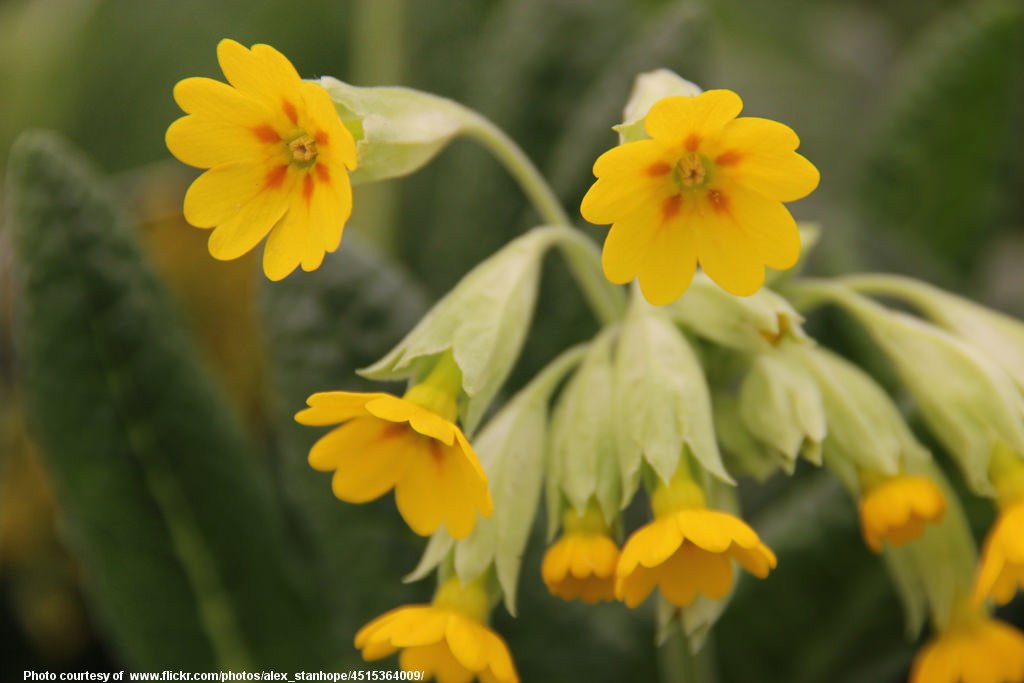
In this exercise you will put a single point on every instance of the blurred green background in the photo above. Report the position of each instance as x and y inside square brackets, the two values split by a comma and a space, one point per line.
[913, 111]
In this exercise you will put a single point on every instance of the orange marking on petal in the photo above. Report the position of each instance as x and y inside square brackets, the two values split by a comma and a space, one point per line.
[321, 137]
[322, 174]
[290, 112]
[275, 177]
[307, 188]
[658, 168]
[266, 134]
[692, 142]
[729, 158]
[671, 207]
[719, 202]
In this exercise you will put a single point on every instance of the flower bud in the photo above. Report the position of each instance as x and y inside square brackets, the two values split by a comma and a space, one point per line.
[662, 403]
[648, 88]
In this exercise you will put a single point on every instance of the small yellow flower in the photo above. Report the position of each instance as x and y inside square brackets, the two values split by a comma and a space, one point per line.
[447, 640]
[581, 564]
[976, 650]
[1001, 570]
[895, 510]
[707, 187]
[410, 444]
[687, 550]
[278, 159]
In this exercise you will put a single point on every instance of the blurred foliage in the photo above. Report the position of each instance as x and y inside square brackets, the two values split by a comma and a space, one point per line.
[914, 112]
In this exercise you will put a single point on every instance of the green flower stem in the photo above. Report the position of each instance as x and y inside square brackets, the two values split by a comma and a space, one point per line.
[376, 38]
[901, 287]
[584, 259]
[678, 664]
[520, 167]
[810, 293]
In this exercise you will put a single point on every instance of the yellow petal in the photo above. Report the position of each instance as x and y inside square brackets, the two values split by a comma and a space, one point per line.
[628, 243]
[331, 205]
[240, 233]
[669, 262]
[263, 73]
[557, 558]
[418, 492]
[219, 101]
[761, 156]
[204, 143]
[725, 253]
[768, 226]
[293, 240]
[466, 643]
[369, 463]
[691, 121]
[613, 198]
[222, 192]
[339, 143]
[334, 407]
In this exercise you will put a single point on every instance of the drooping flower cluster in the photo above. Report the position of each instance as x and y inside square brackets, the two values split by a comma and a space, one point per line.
[639, 407]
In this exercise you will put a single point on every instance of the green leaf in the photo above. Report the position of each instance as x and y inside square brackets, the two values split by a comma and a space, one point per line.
[184, 552]
[321, 327]
[935, 166]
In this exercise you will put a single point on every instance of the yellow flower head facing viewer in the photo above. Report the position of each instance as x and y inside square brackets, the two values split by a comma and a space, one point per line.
[278, 159]
[688, 550]
[409, 444]
[447, 640]
[896, 510]
[707, 188]
[581, 564]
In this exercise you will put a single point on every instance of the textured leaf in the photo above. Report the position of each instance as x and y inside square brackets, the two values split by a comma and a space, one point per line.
[173, 519]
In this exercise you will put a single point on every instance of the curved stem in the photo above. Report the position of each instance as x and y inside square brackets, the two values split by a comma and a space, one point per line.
[520, 167]
[608, 301]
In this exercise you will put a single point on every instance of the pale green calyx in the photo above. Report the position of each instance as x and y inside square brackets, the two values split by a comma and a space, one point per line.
[512, 450]
[648, 88]
[482, 322]
[755, 323]
[583, 464]
[662, 405]
[397, 130]
[968, 401]
[781, 405]
[998, 336]
[865, 428]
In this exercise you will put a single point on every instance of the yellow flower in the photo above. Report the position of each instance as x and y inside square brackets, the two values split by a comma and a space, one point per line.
[447, 640]
[410, 444]
[687, 550]
[1001, 569]
[895, 510]
[581, 564]
[707, 187]
[976, 650]
[278, 159]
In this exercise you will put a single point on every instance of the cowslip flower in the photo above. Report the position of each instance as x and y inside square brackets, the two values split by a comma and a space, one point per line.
[581, 564]
[408, 444]
[688, 549]
[447, 639]
[278, 157]
[896, 509]
[708, 188]
[977, 649]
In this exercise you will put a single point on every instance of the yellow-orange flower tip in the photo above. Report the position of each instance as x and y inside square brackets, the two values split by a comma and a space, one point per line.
[447, 640]
[581, 564]
[278, 159]
[1001, 570]
[689, 552]
[982, 650]
[385, 442]
[896, 510]
[707, 188]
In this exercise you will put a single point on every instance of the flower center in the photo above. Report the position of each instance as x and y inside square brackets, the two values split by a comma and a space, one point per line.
[303, 151]
[690, 171]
